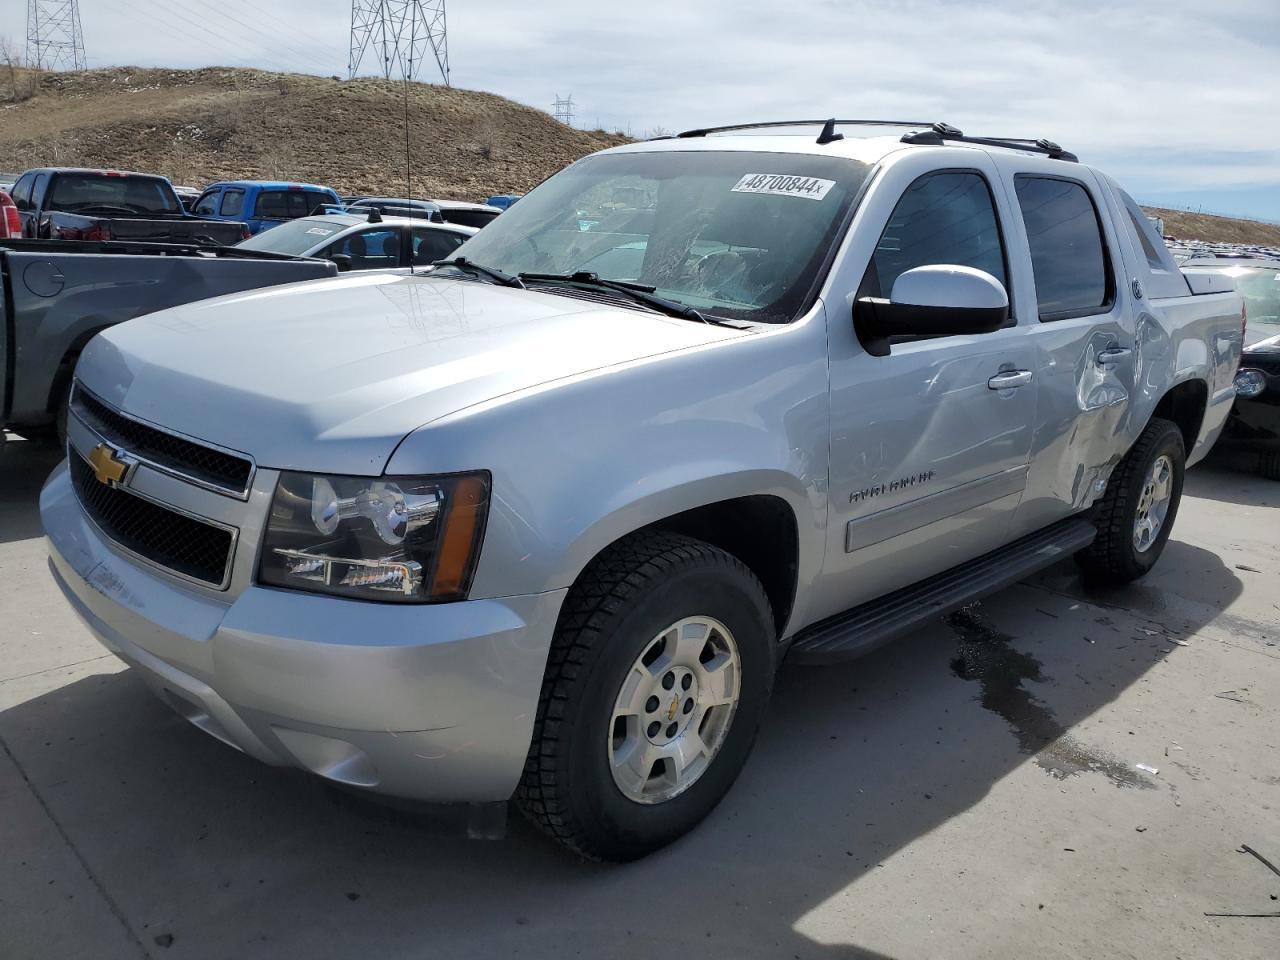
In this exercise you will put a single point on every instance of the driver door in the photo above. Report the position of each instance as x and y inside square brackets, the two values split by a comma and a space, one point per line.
[930, 441]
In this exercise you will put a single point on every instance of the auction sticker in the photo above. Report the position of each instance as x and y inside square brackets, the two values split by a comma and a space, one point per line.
[319, 231]
[783, 185]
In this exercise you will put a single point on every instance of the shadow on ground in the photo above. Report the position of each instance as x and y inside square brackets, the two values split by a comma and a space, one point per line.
[24, 465]
[232, 858]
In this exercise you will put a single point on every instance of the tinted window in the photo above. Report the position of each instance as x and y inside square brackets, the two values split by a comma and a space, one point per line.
[432, 245]
[469, 218]
[942, 218]
[75, 192]
[315, 200]
[22, 191]
[281, 205]
[207, 205]
[1068, 258]
[232, 203]
[369, 249]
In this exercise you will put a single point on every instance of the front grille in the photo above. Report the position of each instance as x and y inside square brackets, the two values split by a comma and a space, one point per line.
[173, 540]
[219, 469]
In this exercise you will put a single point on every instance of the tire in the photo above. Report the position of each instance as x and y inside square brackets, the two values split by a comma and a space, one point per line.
[623, 604]
[1269, 464]
[1115, 556]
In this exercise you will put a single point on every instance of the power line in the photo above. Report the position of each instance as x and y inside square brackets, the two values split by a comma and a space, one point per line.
[54, 38]
[403, 34]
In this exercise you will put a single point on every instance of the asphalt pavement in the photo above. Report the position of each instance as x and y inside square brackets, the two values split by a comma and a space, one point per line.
[974, 790]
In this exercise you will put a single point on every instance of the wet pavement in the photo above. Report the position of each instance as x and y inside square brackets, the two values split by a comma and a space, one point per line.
[973, 790]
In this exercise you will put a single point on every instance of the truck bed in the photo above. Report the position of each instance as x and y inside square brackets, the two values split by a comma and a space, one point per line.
[58, 294]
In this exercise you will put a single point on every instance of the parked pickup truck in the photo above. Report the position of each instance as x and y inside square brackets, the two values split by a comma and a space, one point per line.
[57, 295]
[67, 204]
[545, 520]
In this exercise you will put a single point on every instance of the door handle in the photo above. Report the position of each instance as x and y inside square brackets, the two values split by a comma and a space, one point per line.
[1114, 355]
[1009, 379]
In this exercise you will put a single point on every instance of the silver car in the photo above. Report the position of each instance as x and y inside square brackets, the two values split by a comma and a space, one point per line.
[356, 242]
[544, 521]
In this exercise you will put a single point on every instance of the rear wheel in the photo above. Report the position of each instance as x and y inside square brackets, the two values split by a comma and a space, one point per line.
[657, 680]
[1136, 514]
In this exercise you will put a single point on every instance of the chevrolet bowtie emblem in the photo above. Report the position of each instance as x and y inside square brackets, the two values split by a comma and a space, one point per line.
[106, 467]
[671, 712]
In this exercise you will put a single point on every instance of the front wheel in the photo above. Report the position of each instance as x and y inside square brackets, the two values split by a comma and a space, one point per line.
[1136, 513]
[659, 674]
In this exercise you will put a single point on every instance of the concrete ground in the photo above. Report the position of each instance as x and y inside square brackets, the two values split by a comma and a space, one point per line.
[972, 791]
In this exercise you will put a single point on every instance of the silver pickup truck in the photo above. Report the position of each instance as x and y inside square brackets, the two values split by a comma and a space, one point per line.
[544, 521]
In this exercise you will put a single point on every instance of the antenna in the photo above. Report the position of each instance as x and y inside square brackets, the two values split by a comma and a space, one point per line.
[564, 109]
[401, 34]
[54, 38]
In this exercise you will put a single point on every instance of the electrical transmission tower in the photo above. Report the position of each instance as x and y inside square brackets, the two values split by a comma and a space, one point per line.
[564, 109]
[402, 34]
[54, 38]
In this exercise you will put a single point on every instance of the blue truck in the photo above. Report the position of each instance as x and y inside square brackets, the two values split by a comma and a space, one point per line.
[262, 204]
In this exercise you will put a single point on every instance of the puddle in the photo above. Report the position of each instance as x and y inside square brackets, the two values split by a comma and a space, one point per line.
[987, 657]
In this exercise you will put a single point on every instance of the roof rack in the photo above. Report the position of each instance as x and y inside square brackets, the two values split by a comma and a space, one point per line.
[828, 127]
[938, 133]
[933, 133]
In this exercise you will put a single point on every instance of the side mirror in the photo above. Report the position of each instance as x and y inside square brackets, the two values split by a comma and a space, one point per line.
[937, 300]
[342, 260]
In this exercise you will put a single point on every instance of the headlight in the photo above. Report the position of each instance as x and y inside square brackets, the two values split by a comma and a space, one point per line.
[406, 539]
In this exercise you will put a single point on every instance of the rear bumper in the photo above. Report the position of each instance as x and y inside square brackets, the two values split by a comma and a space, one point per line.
[432, 702]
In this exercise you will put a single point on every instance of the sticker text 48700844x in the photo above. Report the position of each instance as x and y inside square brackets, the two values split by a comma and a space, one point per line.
[784, 185]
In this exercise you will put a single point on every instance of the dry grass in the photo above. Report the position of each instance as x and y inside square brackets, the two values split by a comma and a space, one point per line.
[1203, 226]
[198, 126]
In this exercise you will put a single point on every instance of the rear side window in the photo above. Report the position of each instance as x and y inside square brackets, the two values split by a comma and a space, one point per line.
[316, 200]
[946, 217]
[281, 205]
[1068, 254]
[232, 203]
[432, 245]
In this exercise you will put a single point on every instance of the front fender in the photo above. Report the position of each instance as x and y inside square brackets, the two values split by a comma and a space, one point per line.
[579, 463]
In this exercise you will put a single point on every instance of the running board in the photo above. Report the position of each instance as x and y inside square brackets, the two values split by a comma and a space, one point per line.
[857, 631]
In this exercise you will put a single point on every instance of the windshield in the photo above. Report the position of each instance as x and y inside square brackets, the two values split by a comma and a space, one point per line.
[293, 238]
[735, 234]
[146, 195]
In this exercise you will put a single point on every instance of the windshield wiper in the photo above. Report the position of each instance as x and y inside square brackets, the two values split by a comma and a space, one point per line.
[641, 293]
[467, 266]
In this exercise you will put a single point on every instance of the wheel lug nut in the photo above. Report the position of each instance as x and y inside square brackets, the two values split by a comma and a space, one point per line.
[651, 705]
[672, 729]
[653, 729]
[687, 681]
[668, 681]
[688, 705]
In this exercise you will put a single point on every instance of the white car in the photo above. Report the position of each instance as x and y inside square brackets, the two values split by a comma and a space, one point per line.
[392, 244]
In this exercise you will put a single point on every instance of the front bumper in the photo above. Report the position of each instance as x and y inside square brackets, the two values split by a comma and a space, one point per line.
[432, 702]
[1255, 421]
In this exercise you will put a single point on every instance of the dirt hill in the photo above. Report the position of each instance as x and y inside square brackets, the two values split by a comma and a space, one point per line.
[198, 126]
[1203, 226]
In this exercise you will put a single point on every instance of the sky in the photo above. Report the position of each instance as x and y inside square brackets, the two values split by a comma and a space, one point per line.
[1179, 100]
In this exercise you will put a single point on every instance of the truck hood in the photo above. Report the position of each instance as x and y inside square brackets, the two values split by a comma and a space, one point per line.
[330, 375]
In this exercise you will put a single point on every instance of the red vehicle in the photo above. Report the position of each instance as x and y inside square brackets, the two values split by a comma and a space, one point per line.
[10, 222]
